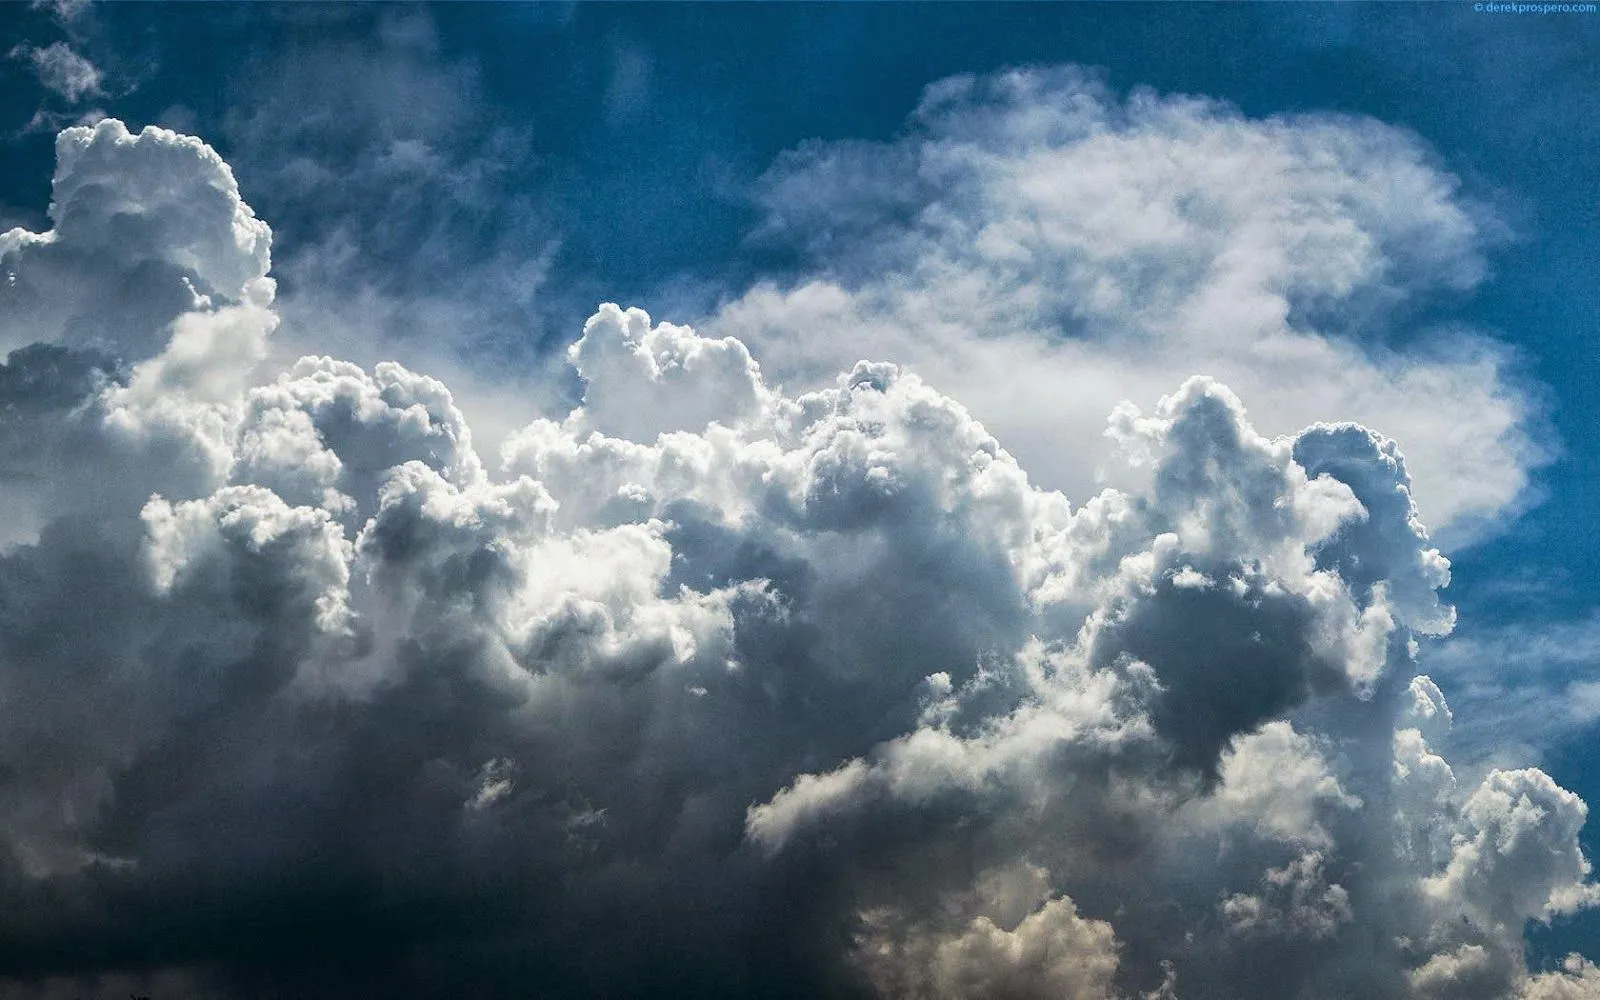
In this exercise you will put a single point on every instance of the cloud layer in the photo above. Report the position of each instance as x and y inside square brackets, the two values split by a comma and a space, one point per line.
[708, 687]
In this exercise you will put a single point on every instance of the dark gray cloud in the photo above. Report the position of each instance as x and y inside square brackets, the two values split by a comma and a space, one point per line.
[706, 689]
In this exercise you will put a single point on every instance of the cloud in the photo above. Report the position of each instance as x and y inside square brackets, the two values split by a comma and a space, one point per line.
[711, 686]
[1295, 900]
[1043, 247]
[64, 10]
[410, 225]
[153, 274]
[61, 70]
[1524, 688]
[1577, 979]
[406, 229]
[1281, 784]
[1050, 952]
[143, 226]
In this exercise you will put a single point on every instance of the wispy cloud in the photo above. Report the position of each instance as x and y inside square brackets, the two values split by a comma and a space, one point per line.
[62, 71]
[1525, 689]
[64, 10]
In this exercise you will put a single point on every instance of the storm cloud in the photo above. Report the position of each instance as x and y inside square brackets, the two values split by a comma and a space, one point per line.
[711, 687]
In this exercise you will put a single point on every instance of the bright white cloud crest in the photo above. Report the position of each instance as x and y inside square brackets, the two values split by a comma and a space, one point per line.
[1045, 249]
[817, 693]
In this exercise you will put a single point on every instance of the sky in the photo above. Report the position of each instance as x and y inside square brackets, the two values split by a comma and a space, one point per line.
[863, 500]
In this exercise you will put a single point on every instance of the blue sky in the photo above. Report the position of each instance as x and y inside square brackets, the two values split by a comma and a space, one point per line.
[458, 186]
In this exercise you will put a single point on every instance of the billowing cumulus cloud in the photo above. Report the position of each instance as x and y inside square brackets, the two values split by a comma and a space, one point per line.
[145, 228]
[717, 687]
[1044, 247]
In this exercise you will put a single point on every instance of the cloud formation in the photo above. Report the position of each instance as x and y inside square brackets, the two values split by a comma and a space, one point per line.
[401, 220]
[708, 687]
[1044, 247]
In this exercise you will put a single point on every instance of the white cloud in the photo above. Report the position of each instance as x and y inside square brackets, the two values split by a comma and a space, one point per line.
[62, 70]
[1517, 858]
[1577, 979]
[1295, 900]
[648, 380]
[1279, 783]
[146, 227]
[1043, 248]
[1050, 952]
